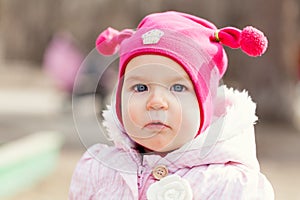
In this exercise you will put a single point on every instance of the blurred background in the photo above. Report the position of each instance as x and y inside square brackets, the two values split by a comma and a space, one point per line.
[43, 43]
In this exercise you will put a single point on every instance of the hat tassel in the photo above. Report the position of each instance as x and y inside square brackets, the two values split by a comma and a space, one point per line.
[251, 40]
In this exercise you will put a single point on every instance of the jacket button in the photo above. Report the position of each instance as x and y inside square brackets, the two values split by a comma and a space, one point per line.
[159, 172]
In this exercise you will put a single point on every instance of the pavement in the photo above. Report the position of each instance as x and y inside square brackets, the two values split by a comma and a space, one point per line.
[30, 102]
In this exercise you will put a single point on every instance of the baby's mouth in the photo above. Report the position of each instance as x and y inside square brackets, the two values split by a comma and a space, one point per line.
[157, 125]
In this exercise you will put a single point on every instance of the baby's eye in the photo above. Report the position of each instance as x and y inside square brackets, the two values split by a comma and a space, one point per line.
[178, 88]
[140, 88]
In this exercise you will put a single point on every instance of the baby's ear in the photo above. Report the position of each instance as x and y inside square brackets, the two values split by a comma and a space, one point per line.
[108, 42]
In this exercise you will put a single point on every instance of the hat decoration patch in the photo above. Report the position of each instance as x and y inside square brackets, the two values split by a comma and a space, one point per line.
[152, 37]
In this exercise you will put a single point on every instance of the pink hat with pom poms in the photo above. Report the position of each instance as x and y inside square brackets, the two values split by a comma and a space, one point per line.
[195, 43]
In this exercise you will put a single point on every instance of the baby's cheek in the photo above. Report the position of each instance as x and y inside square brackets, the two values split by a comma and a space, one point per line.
[133, 114]
[191, 115]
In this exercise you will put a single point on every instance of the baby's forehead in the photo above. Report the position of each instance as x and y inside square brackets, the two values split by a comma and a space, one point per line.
[154, 65]
[156, 68]
[155, 71]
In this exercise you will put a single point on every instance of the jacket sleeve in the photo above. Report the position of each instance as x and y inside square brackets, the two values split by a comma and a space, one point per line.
[238, 183]
[84, 178]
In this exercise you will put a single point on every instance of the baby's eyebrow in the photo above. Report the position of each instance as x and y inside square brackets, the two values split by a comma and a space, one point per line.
[136, 78]
[183, 77]
[148, 78]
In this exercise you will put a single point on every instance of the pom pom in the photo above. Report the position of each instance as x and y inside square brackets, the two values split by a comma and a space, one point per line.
[108, 42]
[253, 42]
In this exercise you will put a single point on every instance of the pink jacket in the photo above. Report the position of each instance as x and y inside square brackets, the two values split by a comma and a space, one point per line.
[220, 163]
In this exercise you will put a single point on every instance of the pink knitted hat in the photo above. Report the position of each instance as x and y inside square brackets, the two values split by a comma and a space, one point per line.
[196, 44]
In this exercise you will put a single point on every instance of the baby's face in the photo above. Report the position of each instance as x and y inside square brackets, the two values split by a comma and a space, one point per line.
[160, 110]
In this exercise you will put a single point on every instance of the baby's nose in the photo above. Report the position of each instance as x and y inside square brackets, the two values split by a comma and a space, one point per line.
[157, 100]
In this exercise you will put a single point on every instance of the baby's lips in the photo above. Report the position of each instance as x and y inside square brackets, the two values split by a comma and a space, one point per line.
[157, 125]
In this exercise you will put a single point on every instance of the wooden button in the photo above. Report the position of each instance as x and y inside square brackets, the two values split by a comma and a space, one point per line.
[159, 172]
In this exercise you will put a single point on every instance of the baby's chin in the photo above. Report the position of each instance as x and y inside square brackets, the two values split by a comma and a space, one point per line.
[156, 149]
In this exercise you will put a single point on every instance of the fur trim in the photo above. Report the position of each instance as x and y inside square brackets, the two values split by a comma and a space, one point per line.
[234, 113]
[238, 110]
[115, 130]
